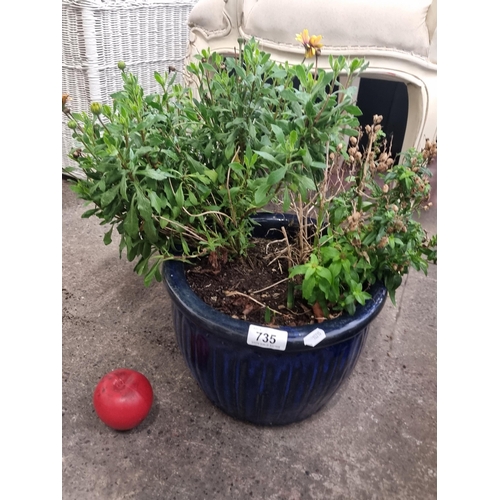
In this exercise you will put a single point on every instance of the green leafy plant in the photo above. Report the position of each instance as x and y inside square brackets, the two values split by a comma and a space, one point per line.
[178, 174]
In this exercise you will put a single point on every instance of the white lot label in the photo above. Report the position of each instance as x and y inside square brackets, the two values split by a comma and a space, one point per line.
[315, 337]
[268, 338]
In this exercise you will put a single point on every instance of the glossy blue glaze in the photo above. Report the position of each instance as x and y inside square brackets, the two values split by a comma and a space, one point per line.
[259, 385]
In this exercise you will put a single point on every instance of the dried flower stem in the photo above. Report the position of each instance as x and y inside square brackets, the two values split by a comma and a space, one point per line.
[230, 294]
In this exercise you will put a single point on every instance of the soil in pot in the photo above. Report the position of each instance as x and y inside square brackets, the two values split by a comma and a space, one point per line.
[253, 289]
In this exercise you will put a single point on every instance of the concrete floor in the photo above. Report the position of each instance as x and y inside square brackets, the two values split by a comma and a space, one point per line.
[376, 441]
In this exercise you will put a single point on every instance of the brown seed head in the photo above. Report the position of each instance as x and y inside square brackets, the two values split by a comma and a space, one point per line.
[65, 102]
[383, 242]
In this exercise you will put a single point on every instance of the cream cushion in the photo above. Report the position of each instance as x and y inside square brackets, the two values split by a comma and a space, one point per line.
[393, 24]
[208, 15]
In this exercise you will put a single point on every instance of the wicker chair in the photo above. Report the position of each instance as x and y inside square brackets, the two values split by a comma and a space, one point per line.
[149, 35]
[398, 38]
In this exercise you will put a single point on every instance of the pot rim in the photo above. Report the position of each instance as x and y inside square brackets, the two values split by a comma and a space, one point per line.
[236, 330]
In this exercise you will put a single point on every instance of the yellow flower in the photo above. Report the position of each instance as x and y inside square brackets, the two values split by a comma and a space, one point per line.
[311, 44]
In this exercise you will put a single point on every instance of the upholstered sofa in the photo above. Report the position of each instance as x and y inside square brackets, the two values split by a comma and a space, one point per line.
[397, 37]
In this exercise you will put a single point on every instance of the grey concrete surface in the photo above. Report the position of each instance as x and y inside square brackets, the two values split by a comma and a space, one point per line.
[376, 440]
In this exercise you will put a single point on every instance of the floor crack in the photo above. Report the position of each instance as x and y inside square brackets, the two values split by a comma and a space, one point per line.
[398, 313]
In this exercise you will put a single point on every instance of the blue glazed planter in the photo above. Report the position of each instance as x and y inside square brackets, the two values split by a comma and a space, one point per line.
[265, 386]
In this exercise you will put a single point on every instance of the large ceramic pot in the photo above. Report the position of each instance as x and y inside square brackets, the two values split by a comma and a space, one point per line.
[255, 376]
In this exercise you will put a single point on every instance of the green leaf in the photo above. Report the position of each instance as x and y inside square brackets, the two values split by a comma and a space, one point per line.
[208, 67]
[335, 268]
[143, 150]
[346, 264]
[279, 73]
[131, 252]
[309, 109]
[203, 178]
[109, 196]
[159, 78]
[350, 307]
[261, 195]
[195, 164]
[353, 110]
[288, 95]
[131, 223]
[143, 204]
[280, 137]
[362, 297]
[325, 273]
[318, 164]
[311, 271]
[350, 132]
[151, 273]
[329, 253]
[89, 213]
[229, 151]
[308, 286]
[142, 266]
[179, 197]
[107, 237]
[158, 175]
[307, 183]
[307, 158]
[300, 269]
[170, 154]
[211, 174]
[301, 74]
[276, 176]
[240, 71]
[185, 246]
[392, 295]
[156, 202]
[123, 186]
[192, 198]
[286, 200]
[268, 157]
[150, 230]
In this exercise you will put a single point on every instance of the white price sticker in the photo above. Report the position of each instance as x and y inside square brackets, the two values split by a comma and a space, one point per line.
[268, 338]
[315, 337]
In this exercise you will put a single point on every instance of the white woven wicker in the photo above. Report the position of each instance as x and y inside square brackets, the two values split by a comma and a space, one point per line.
[148, 35]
